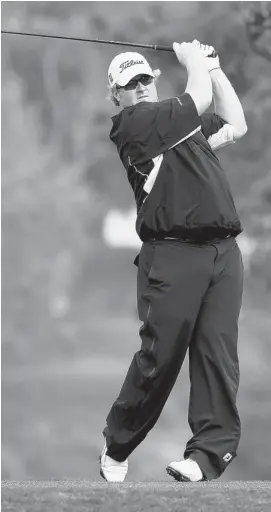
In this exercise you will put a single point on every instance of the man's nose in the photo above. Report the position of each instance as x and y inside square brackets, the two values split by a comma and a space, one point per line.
[140, 86]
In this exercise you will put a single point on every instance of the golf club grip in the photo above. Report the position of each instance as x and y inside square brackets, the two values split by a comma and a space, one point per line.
[170, 49]
[163, 48]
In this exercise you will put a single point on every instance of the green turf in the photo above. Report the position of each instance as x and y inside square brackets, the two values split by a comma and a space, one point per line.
[86, 496]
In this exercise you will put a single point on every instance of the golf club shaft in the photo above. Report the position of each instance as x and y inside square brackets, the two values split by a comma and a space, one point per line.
[82, 39]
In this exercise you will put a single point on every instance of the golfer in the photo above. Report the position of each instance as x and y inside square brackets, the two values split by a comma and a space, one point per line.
[190, 270]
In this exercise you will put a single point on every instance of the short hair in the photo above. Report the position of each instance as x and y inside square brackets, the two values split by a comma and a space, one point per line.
[112, 90]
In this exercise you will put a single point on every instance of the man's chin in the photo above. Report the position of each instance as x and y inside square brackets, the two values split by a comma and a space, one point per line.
[144, 98]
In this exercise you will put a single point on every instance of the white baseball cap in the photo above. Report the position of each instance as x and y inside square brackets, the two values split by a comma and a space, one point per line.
[127, 65]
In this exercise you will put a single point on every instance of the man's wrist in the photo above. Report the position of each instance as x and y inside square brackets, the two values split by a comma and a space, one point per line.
[215, 71]
[197, 65]
[213, 63]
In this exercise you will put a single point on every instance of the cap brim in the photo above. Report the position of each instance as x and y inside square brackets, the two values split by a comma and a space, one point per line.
[130, 73]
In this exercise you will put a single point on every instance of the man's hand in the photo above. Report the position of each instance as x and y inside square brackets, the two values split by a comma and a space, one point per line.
[209, 53]
[199, 84]
[187, 53]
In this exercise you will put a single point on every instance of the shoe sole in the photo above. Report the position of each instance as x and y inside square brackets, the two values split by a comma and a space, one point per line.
[102, 475]
[101, 471]
[178, 476]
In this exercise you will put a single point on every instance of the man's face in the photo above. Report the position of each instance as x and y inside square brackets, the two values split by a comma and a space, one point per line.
[140, 88]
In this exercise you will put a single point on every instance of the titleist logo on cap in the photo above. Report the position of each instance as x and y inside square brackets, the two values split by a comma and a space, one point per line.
[129, 63]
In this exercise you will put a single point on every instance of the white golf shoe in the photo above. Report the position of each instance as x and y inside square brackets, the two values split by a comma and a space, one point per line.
[112, 470]
[186, 470]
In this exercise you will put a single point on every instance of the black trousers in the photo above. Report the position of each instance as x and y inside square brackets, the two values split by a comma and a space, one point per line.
[189, 297]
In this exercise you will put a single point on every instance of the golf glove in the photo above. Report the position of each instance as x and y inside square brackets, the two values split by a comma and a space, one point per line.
[210, 53]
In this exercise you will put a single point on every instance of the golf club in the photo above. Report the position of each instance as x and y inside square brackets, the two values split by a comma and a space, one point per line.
[104, 41]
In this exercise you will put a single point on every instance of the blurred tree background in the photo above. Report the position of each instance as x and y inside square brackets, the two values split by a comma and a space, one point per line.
[69, 324]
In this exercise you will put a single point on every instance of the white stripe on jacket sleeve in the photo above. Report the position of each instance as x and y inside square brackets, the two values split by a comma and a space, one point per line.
[222, 138]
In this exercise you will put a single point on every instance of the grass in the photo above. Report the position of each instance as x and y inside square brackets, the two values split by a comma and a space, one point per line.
[87, 496]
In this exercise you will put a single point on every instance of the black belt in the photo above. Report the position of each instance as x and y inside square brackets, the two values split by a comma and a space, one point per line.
[191, 240]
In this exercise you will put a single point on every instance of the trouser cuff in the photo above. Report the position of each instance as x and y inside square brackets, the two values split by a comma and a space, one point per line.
[113, 449]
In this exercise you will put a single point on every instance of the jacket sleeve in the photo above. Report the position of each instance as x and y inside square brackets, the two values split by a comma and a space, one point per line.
[216, 130]
[150, 129]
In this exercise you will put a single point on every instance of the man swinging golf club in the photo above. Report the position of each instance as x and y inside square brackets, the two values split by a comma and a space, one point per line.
[190, 271]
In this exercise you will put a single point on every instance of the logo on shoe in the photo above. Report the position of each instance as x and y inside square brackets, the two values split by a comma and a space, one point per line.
[129, 63]
[227, 457]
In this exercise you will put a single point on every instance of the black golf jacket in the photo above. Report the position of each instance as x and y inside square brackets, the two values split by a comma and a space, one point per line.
[179, 185]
